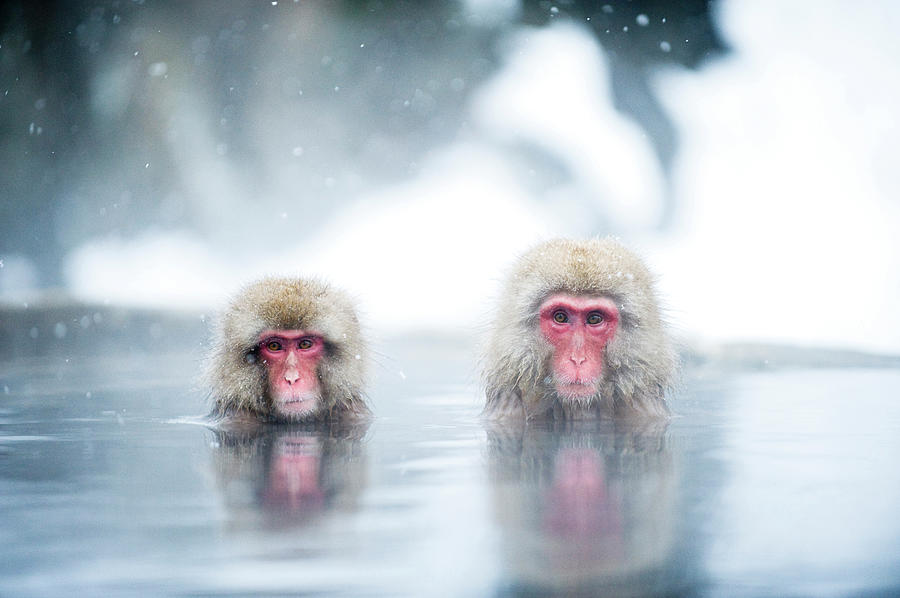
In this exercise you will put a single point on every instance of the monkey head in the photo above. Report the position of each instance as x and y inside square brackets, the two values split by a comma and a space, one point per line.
[288, 349]
[578, 331]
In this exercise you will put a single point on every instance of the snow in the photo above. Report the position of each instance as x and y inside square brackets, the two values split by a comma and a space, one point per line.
[788, 228]
[785, 183]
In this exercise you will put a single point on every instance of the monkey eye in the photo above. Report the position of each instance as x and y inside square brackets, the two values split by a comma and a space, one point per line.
[560, 317]
[595, 318]
[273, 346]
[305, 343]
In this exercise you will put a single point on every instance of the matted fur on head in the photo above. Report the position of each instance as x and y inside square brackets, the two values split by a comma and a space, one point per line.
[639, 360]
[236, 377]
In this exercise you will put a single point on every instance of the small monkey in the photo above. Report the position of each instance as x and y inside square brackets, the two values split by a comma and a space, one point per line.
[288, 350]
[578, 335]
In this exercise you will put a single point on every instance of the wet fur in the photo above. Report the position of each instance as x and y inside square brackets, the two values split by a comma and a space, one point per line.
[237, 377]
[639, 362]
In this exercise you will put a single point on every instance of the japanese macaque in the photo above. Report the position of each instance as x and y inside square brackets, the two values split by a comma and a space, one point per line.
[288, 350]
[578, 335]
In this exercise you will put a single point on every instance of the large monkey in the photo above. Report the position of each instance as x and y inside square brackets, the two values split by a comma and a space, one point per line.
[288, 350]
[577, 335]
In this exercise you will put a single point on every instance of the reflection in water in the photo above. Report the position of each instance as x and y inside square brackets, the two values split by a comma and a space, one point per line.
[290, 474]
[580, 507]
[583, 506]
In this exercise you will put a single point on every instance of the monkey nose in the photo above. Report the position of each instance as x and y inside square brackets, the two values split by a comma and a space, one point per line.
[578, 359]
[291, 376]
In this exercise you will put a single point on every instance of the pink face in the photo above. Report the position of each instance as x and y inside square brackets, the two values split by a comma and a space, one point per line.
[578, 328]
[291, 358]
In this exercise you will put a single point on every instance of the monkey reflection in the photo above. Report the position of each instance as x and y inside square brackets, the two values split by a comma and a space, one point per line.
[294, 483]
[289, 474]
[579, 502]
[583, 507]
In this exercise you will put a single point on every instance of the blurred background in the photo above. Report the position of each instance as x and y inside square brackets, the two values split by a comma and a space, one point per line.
[160, 154]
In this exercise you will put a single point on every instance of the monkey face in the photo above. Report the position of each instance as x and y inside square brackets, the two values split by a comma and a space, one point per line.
[291, 359]
[578, 329]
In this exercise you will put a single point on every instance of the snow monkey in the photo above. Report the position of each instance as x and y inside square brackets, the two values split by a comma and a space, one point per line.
[288, 350]
[578, 335]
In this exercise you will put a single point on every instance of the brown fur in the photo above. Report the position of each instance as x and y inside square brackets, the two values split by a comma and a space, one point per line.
[238, 379]
[639, 362]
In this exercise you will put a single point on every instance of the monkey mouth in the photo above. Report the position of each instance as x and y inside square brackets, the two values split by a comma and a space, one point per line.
[294, 400]
[302, 403]
[575, 390]
[295, 397]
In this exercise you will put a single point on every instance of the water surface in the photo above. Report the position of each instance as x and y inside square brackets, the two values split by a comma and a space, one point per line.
[766, 482]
